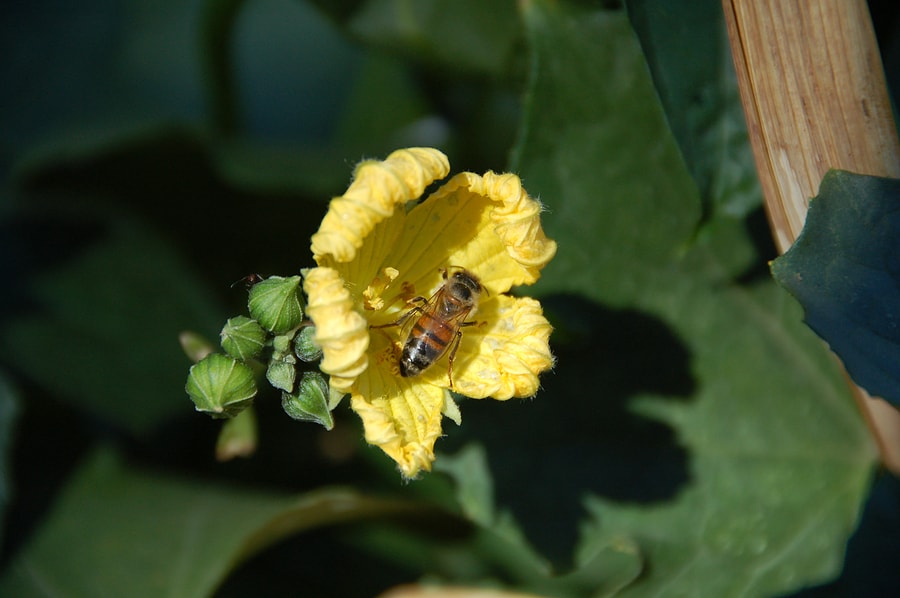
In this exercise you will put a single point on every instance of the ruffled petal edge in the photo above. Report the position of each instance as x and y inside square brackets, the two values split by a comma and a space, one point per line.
[511, 355]
[515, 217]
[517, 220]
[342, 332]
[377, 189]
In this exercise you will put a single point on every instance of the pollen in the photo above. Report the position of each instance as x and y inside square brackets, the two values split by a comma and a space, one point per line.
[387, 359]
[372, 295]
[386, 353]
[408, 291]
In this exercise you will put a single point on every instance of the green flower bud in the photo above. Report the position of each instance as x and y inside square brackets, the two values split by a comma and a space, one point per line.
[243, 338]
[275, 303]
[282, 373]
[310, 402]
[305, 346]
[220, 386]
[281, 344]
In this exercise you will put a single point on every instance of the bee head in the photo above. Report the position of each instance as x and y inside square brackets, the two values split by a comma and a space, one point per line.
[465, 286]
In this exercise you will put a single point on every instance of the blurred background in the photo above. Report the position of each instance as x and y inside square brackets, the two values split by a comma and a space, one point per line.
[154, 152]
[151, 154]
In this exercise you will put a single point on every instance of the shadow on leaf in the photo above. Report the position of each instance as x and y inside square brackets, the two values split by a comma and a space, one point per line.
[580, 434]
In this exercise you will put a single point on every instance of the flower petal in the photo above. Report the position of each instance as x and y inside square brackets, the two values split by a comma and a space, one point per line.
[487, 224]
[342, 333]
[517, 219]
[503, 359]
[400, 416]
[377, 260]
[377, 188]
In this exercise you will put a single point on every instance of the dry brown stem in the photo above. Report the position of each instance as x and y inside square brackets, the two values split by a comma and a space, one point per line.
[815, 98]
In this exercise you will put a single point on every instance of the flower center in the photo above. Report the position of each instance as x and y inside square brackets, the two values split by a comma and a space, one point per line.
[386, 354]
[372, 299]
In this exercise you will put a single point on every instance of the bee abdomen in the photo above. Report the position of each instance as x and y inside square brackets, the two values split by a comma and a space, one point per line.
[420, 351]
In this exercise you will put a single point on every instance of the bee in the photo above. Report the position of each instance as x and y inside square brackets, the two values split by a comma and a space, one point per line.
[437, 328]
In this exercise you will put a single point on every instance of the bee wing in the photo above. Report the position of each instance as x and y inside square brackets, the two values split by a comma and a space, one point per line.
[428, 306]
[459, 318]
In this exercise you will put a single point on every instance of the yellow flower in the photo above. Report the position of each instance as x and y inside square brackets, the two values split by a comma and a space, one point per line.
[377, 250]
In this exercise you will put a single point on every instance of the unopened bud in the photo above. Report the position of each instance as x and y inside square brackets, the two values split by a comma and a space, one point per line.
[243, 338]
[275, 303]
[310, 402]
[220, 385]
[282, 373]
[305, 346]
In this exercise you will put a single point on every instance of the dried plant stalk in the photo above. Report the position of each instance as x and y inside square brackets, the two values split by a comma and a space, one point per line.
[815, 98]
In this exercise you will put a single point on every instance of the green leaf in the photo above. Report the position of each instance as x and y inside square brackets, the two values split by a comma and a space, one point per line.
[495, 547]
[474, 485]
[687, 51]
[121, 531]
[712, 435]
[755, 460]
[220, 385]
[844, 269]
[605, 564]
[465, 35]
[275, 303]
[102, 325]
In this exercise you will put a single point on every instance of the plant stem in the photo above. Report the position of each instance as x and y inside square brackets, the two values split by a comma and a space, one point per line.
[815, 98]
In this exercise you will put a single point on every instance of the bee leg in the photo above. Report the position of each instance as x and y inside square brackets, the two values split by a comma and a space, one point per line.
[399, 321]
[453, 350]
[452, 356]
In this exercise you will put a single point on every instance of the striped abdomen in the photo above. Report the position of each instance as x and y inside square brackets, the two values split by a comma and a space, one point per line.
[428, 341]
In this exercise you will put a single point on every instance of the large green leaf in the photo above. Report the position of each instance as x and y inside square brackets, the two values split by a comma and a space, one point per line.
[464, 35]
[95, 318]
[712, 433]
[778, 459]
[486, 544]
[604, 565]
[845, 271]
[121, 531]
[687, 50]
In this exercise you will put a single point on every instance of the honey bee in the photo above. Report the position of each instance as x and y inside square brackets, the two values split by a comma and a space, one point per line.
[437, 327]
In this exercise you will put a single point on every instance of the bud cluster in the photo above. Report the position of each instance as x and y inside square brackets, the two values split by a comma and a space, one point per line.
[275, 337]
